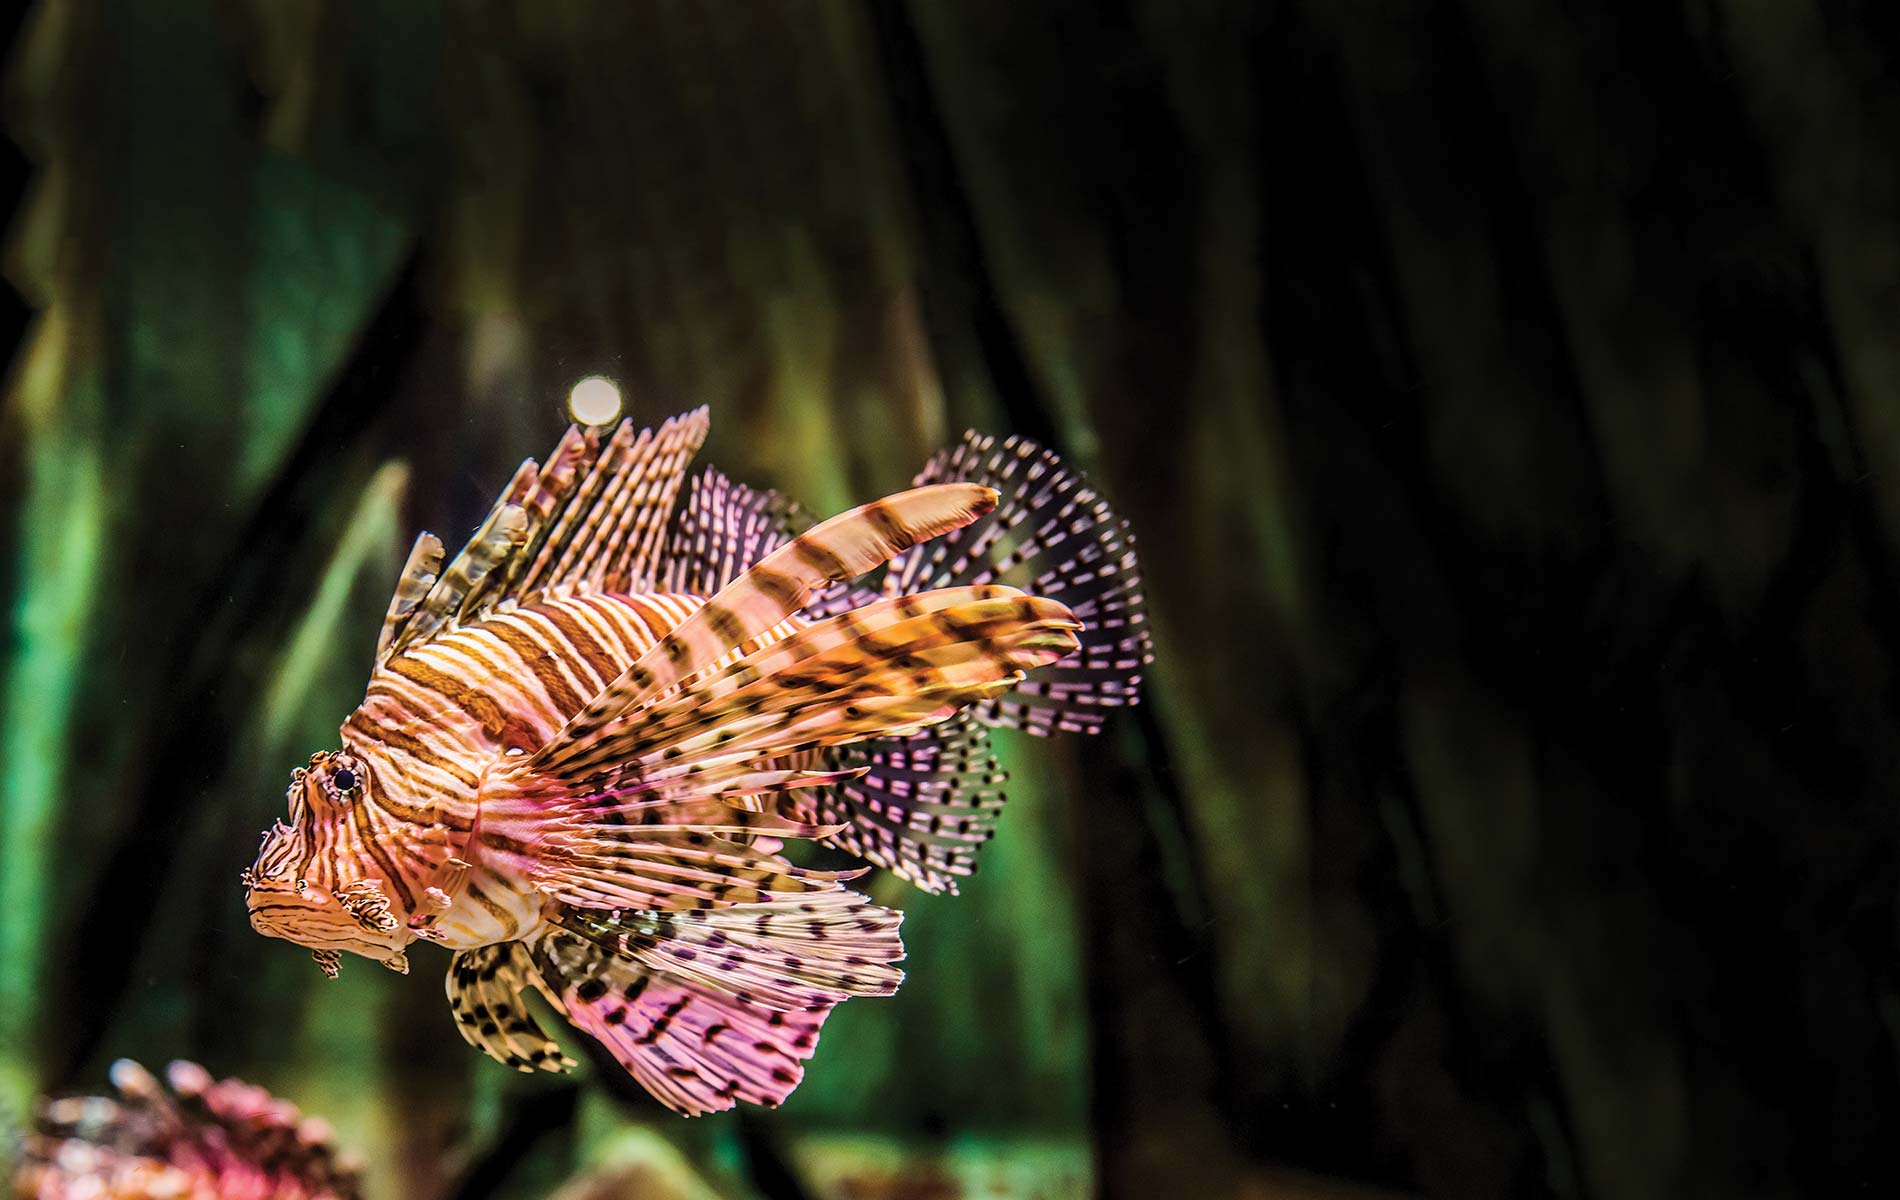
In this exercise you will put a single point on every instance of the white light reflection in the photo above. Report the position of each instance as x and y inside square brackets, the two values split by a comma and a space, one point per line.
[594, 400]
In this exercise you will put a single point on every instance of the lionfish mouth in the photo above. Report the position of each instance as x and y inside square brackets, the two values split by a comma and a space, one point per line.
[327, 926]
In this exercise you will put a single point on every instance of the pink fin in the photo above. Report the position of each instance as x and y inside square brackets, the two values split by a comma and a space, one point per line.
[674, 1008]
[791, 953]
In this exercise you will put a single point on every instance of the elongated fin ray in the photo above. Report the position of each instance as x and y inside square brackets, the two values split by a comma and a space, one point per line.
[592, 519]
[726, 527]
[668, 869]
[1052, 535]
[936, 653]
[549, 502]
[579, 505]
[840, 549]
[499, 536]
[606, 526]
[893, 676]
[880, 617]
[784, 954]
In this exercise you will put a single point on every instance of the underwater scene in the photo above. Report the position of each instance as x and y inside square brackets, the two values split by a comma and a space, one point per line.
[906, 600]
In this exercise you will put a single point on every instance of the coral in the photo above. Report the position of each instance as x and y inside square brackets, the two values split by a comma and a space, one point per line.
[199, 1139]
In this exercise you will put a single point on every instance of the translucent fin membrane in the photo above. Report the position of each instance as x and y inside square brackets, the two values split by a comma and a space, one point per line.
[724, 529]
[920, 805]
[1050, 535]
[709, 1008]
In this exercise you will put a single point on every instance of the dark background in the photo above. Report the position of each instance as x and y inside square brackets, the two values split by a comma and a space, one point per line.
[1504, 393]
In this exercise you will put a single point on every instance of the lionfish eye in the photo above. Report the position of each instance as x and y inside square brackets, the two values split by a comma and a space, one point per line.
[345, 779]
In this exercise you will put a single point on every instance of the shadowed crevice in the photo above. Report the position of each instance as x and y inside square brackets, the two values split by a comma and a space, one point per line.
[531, 1122]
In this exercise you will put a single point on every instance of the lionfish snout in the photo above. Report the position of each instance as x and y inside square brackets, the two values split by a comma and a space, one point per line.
[355, 919]
[334, 912]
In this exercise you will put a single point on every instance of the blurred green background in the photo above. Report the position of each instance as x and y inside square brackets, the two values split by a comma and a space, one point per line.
[1504, 394]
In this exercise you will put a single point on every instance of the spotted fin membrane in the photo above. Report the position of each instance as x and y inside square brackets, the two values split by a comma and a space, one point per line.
[704, 1008]
[922, 803]
[1051, 535]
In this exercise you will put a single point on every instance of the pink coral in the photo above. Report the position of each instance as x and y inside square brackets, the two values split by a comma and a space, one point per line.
[203, 1139]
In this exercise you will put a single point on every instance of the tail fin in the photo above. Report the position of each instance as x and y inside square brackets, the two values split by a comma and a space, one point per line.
[711, 1007]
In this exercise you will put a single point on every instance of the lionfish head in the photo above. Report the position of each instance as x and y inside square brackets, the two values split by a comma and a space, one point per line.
[314, 884]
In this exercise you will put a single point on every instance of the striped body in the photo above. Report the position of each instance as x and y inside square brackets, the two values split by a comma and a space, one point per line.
[440, 716]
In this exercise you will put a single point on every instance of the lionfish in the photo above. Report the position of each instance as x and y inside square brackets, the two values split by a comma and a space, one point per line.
[587, 739]
[223, 1139]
